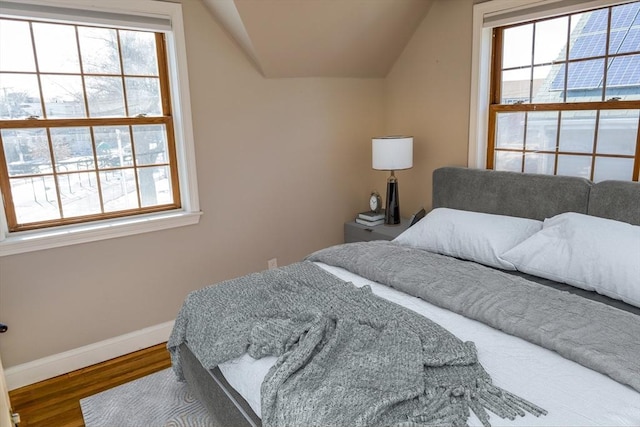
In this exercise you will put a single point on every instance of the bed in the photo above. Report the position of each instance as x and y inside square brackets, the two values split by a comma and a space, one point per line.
[563, 347]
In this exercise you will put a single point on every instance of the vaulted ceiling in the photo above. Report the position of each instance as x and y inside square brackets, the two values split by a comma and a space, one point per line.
[321, 38]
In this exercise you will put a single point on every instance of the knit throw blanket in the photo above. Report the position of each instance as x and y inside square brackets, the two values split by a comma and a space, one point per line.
[345, 356]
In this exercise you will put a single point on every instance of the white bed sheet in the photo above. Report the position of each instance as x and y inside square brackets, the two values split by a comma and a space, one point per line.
[572, 394]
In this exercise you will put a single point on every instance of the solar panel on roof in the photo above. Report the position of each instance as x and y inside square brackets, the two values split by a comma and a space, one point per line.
[598, 21]
[615, 40]
[623, 16]
[624, 71]
[590, 41]
[631, 42]
[588, 45]
[585, 74]
[558, 80]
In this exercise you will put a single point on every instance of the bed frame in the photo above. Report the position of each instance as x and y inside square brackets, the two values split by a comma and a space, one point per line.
[495, 192]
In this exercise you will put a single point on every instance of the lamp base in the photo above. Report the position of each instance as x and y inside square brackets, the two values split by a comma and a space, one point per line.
[392, 213]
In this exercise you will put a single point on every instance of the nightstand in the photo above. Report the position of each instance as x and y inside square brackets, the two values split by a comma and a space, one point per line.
[354, 232]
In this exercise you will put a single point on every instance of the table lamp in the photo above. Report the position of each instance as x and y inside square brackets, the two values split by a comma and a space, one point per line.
[392, 153]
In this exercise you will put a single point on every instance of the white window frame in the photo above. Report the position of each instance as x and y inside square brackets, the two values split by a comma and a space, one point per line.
[487, 16]
[90, 11]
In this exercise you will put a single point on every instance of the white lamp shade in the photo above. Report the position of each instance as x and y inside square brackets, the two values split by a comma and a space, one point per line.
[392, 153]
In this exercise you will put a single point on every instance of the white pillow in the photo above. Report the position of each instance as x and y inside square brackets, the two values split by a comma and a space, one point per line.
[468, 235]
[588, 252]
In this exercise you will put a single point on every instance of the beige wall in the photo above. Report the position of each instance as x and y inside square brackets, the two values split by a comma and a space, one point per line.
[282, 164]
[427, 96]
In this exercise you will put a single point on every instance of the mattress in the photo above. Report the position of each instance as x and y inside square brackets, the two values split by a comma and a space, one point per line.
[572, 394]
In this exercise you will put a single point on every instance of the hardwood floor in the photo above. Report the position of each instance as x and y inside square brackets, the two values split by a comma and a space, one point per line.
[56, 402]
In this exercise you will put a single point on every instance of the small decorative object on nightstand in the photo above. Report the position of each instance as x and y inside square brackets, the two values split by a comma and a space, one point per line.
[354, 232]
[375, 202]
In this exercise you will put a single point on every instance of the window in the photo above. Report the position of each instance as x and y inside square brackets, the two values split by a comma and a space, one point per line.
[557, 89]
[84, 123]
[565, 95]
[94, 122]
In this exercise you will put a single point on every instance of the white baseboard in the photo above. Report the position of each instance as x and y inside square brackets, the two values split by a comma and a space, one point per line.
[78, 358]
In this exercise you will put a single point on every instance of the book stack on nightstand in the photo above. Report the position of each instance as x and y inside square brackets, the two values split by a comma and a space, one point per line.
[370, 218]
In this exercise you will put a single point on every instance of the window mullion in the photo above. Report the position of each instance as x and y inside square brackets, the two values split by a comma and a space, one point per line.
[606, 54]
[134, 159]
[524, 139]
[124, 86]
[566, 70]
[95, 167]
[37, 65]
[533, 49]
[557, 144]
[636, 163]
[595, 143]
[88, 114]
[82, 79]
[491, 141]
[54, 172]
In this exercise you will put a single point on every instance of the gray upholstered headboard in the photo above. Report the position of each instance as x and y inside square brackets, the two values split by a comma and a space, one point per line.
[534, 196]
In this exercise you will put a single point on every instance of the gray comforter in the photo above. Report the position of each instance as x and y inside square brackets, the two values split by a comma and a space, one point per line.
[600, 337]
[346, 357]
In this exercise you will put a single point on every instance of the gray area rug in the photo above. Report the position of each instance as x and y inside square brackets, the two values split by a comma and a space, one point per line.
[155, 400]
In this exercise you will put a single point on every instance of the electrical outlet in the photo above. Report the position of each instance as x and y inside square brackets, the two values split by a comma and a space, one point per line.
[272, 263]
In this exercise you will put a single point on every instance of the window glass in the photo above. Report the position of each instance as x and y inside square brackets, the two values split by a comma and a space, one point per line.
[542, 130]
[623, 78]
[56, 48]
[613, 168]
[150, 144]
[26, 151]
[19, 96]
[143, 96]
[139, 53]
[72, 149]
[113, 146]
[105, 96]
[16, 52]
[38, 191]
[574, 165]
[617, 132]
[577, 131]
[99, 49]
[539, 163]
[509, 161]
[510, 132]
[119, 190]
[517, 46]
[551, 36]
[63, 96]
[79, 194]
